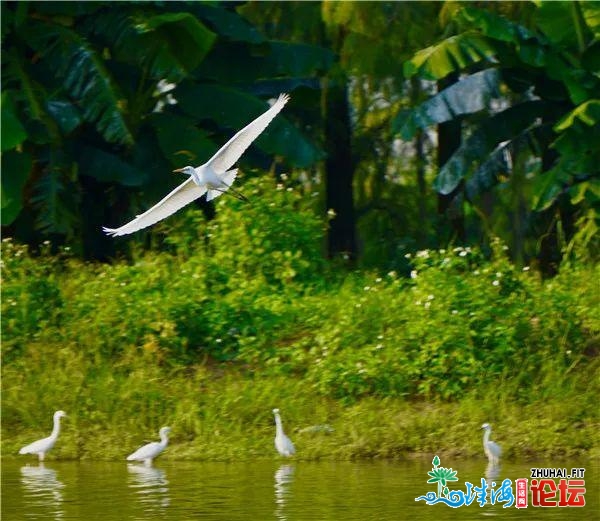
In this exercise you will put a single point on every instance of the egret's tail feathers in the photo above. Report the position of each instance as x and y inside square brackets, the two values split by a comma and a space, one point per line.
[228, 179]
[23, 450]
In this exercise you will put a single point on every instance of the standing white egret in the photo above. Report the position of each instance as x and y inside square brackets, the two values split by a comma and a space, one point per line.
[213, 176]
[40, 447]
[283, 444]
[149, 451]
[492, 449]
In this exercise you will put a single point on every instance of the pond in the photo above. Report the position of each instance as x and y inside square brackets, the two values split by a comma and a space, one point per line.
[262, 490]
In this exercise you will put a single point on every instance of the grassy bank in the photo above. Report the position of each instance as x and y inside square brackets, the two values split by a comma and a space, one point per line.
[208, 338]
[229, 417]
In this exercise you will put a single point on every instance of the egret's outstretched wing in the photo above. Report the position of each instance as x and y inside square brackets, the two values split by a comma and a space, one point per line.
[231, 151]
[184, 194]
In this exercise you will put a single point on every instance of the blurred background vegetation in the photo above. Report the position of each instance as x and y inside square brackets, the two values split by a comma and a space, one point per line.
[422, 226]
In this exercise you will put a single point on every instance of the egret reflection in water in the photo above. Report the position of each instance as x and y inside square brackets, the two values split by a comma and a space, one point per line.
[492, 471]
[150, 485]
[284, 476]
[43, 490]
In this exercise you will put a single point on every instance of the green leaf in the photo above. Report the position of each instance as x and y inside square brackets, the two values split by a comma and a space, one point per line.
[180, 36]
[13, 133]
[298, 59]
[436, 461]
[84, 77]
[234, 62]
[234, 109]
[482, 142]
[167, 46]
[587, 113]
[591, 15]
[586, 189]
[469, 95]
[451, 55]
[555, 20]
[494, 25]
[227, 23]
[591, 59]
[108, 168]
[56, 199]
[547, 187]
[15, 172]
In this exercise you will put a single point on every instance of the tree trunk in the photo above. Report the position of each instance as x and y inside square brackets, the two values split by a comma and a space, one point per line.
[339, 170]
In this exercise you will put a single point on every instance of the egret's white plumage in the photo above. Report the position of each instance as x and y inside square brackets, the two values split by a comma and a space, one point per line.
[283, 444]
[40, 447]
[492, 449]
[213, 177]
[149, 451]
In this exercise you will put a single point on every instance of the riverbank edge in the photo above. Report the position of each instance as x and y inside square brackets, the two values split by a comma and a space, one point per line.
[327, 430]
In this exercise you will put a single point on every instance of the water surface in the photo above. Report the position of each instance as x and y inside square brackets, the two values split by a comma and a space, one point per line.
[264, 490]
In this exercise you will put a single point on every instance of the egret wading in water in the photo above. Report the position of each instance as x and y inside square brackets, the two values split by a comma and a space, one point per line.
[40, 447]
[492, 449]
[213, 177]
[148, 452]
[283, 444]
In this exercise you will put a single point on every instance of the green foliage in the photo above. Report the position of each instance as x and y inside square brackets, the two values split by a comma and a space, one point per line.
[458, 324]
[455, 53]
[13, 133]
[16, 167]
[210, 344]
[363, 51]
[461, 322]
[555, 62]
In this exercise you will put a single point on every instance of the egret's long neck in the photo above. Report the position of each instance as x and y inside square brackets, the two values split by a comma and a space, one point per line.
[164, 439]
[278, 424]
[55, 428]
[486, 436]
[196, 177]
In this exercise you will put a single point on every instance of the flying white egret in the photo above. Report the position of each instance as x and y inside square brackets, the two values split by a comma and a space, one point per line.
[283, 444]
[40, 447]
[492, 449]
[213, 177]
[149, 451]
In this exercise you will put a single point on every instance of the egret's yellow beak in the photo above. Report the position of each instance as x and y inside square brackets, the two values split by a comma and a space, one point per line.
[178, 170]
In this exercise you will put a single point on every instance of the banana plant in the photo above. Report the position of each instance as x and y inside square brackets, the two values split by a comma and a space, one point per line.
[528, 91]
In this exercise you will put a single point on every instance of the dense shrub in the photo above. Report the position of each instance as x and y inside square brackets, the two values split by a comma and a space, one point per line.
[252, 287]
